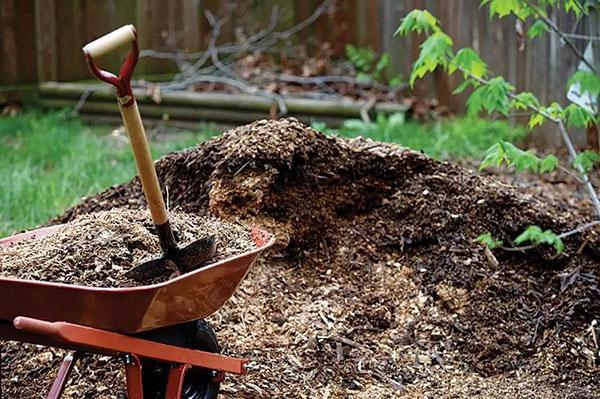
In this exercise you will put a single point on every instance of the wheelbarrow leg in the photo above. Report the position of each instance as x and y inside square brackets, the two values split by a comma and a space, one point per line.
[175, 381]
[133, 375]
[58, 386]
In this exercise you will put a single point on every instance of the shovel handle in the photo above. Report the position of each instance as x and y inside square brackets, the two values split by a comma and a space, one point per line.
[143, 159]
[110, 41]
[132, 121]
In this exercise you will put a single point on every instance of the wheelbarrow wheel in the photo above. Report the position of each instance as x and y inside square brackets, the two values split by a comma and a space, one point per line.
[198, 383]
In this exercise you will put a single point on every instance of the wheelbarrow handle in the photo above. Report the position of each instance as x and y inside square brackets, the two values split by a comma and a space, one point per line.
[131, 115]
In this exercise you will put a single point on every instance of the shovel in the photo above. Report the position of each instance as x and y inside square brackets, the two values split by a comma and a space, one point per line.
[185, 258]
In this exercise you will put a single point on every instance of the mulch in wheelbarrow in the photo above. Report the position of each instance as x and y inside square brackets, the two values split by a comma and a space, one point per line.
[375, 287]
[99, 248]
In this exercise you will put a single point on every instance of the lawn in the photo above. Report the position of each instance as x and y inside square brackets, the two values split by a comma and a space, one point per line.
[460, 137]
[49, 161]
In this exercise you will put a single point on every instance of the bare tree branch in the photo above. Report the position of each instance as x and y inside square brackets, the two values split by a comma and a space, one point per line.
[582, 37]
[542, 15]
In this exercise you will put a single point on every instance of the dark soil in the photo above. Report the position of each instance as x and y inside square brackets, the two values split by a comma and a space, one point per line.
[99, 248]
[376, 287]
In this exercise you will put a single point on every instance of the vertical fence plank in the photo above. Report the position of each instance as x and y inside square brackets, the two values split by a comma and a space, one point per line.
[344, 30]
[70, 38]
[45, 24]
[152, 18]
[25, 28]
[397, 47]
[192, 17]
[8, 42]
[373, 24]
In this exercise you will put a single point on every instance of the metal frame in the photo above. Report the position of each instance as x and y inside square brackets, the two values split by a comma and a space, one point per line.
[131, 349]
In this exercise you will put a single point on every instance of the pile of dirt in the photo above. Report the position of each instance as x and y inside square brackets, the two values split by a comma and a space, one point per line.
[99, 248]
[376, 287]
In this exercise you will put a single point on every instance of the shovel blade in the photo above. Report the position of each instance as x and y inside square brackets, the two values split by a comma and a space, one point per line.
[185, 259]
[195, 254]
[149, 269]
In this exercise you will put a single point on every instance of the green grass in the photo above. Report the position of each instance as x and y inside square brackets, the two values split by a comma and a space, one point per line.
[49, 161]
[452, 138]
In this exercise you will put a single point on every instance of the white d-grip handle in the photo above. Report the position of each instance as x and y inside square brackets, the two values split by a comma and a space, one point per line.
[110, 41]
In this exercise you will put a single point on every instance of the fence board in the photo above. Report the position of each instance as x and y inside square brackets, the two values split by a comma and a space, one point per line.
[192, 22]
[9, 41]
[45, 23]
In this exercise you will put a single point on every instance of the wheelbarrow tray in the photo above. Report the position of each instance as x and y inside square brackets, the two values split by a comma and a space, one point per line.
[194, 295]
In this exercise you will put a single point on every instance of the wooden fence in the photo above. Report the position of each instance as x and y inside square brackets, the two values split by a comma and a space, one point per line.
[41, 39]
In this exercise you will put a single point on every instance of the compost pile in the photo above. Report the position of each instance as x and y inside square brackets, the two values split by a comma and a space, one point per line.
[375, 288]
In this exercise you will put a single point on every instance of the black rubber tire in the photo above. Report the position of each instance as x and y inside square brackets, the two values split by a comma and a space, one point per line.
[198, 383]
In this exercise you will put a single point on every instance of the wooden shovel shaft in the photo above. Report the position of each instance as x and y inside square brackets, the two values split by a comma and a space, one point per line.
[143, 159]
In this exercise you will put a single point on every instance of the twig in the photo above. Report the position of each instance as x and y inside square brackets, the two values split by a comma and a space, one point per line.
[241, 85]
[323, 8]
[535, 331]
[213, 50]
[346, 341]
[570, 173]
[593, 331]
[86, 94]
[304, 80]
[364, 111]
[519, 249]
[573, 155]
[386, 378]
[582, 37]
[579, 229]
[255, 42]
[561, 34]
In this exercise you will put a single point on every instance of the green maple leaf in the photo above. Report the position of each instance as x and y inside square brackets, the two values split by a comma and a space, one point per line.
[494, 156]
[586, 160]
[577, 116]
[510, 155]
[535, 235]
[507, 7]
[536, 120]
[488, 240]
[491, 97]
[587, 80]
[436, 50]
[549, 164]
[469, 61]
[418, 21]
[536, 29]
[524, 100]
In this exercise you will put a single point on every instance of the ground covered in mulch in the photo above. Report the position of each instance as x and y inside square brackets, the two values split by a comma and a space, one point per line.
[375, 287]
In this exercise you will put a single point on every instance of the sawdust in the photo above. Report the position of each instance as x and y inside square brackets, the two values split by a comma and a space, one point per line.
[376, 288]
[99, 248]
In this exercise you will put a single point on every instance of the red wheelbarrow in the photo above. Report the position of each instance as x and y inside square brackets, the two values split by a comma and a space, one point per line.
[158, 330]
